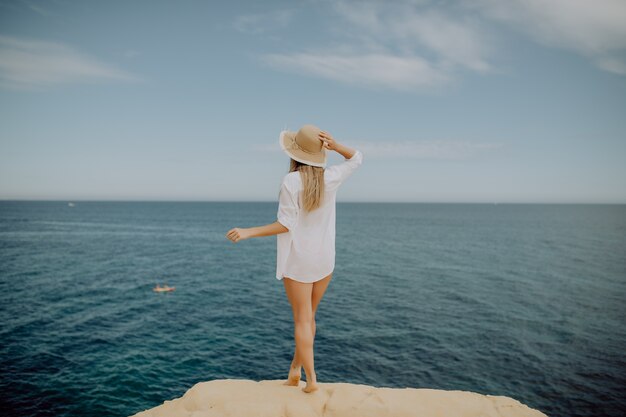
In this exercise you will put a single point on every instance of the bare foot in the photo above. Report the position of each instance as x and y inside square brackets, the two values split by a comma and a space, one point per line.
[310, 387]
[294, 376]
[311, 384]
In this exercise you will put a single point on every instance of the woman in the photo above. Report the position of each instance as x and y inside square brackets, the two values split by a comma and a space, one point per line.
[305, 257]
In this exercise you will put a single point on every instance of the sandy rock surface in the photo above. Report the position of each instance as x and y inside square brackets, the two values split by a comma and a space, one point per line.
[270, 398]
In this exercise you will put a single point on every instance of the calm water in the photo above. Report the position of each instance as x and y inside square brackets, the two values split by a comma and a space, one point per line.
[521, 300]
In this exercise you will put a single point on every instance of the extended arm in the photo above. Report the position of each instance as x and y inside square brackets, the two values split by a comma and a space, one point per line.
[271, 229]
[286, 218]
[268, 230]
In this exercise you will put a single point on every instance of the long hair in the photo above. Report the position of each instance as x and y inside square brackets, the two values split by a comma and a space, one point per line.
[312, 182]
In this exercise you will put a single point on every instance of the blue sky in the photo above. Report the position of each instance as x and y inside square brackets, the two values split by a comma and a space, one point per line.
[454, 101]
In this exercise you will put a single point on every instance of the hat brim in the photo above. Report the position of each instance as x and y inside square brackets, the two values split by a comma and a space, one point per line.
[286, 140]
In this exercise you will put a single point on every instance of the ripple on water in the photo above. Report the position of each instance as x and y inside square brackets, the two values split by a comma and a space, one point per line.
[518, 300]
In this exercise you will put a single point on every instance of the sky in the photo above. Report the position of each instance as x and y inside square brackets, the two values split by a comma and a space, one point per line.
[507, 101]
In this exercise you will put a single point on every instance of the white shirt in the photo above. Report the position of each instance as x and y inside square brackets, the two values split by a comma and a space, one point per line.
[306, 252]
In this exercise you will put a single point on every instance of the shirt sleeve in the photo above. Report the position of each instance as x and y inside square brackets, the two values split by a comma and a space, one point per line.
[347, 167]
[287, 208]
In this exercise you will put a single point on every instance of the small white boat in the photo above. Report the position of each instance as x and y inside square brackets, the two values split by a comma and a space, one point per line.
[70, 204]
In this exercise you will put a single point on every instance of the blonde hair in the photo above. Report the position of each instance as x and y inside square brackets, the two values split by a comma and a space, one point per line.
[312, 183]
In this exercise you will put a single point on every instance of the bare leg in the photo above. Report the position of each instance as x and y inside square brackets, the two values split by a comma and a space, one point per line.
[318, 290]
[295, 370]
[299, 295]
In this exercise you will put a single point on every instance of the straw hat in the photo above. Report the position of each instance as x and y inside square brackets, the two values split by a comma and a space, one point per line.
[304, 146]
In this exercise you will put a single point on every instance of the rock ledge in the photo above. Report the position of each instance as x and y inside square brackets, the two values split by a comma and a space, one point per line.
[270, 398]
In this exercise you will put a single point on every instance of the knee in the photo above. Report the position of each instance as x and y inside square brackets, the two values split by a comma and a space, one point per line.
[305, 318]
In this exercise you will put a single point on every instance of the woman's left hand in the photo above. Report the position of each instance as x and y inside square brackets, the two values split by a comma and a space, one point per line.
[236, 234]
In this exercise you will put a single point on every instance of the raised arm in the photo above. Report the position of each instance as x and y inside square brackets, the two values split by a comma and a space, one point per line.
[354, 158]
[345, 151]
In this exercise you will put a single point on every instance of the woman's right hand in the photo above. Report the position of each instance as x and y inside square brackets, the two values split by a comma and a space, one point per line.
[329, 143]
[238, 233]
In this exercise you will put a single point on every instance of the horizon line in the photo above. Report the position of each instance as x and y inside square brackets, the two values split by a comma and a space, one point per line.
[276, 202]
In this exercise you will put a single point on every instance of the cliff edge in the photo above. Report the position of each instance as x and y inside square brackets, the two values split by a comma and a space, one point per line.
[270, 398]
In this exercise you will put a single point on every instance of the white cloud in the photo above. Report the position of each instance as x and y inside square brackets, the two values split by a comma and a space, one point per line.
[33, 64]
[426, 149]
[596, 29]
[615, 65]
[438, 149]
[372, 70]
[402, 25]
[394, 45]
[262, 22]
[411, 44]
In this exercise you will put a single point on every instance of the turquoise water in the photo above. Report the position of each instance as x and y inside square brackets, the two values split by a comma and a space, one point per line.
[520, 300]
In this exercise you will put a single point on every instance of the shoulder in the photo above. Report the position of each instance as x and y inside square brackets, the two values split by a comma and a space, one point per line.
[292, 181]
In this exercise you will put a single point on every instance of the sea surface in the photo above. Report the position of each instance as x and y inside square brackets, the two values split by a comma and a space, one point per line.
[522, 300]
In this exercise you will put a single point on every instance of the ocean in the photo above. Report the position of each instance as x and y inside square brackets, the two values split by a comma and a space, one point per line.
[521, 300]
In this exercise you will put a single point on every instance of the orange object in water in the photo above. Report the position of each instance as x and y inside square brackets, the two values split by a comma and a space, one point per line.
[165, 288]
